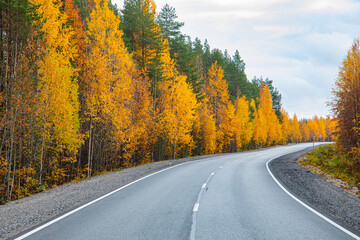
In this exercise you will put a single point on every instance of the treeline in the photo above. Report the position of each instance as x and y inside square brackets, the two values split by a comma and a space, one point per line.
[86, 88]
[346, 109]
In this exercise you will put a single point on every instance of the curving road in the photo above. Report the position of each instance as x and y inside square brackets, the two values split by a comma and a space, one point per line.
[231, 196]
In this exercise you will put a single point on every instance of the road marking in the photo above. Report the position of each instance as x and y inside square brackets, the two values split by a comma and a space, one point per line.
[221, 167]
[94, 201]
[196, 207]
[307, 206]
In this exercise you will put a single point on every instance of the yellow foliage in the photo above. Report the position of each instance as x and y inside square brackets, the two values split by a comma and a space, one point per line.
[57, 87]
[109, 82]
[216, 90]
[243, 126]
[260, 129]
[177, 106]
[268, 130]
[205, 128]
[305, 132]
[286, 127]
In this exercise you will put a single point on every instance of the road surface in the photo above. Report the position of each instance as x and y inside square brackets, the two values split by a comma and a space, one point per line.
[232, 196]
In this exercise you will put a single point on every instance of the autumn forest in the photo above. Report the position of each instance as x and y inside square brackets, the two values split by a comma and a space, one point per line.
[87, 88]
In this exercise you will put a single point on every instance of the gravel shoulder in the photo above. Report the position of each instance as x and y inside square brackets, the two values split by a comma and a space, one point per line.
[27, 213]
[333, 202]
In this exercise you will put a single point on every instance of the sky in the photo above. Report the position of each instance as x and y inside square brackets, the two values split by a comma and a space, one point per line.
[299, 44]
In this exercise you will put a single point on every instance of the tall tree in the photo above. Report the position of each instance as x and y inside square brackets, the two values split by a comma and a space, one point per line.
[205, 128]
[177, 106]
[170, 28]
[275, 94]
[58, 108]
[268, 128]
[346, 99]
[216, 89]
[15, 26]
[243, 126]
[286, 127]
[142, 34]
[296, 133]
[109, 91]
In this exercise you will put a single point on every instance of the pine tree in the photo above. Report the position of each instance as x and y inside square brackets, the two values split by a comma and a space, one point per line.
[141, 32]
[170, 28]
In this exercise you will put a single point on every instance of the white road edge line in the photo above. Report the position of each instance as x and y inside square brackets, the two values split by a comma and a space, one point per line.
[89, 203]
[307, 206]
[196, 207]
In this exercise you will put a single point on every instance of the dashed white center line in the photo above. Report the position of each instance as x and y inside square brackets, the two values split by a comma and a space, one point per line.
[221, 167]
[196, 207]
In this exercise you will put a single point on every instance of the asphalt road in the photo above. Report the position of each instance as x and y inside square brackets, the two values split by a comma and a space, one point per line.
[231, 196]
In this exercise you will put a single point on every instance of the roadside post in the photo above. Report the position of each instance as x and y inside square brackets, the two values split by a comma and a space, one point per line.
[313, 137]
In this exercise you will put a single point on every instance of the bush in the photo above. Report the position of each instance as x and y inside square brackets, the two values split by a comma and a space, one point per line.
[330, 161]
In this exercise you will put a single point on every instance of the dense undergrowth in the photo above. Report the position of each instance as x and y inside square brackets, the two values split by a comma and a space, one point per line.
[333, 163]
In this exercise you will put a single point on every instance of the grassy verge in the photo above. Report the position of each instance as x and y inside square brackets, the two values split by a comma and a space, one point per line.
[332, 163]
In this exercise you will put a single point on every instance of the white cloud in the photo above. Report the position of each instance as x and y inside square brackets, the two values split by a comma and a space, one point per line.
[329, 5]
[297, 43]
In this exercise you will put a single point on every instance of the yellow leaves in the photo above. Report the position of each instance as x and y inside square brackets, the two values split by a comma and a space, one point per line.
[58, 99]
[267, 130]
[265, 101]
[296, 134]
[57, 89]
[53, 24]
[178, 112]
[177, 105]
[168, 68]
[286, 127]
[261, 128]
[109, 85]
[220, 106]
[217, 89]
[243, 126]
[205, 128]
[305, 133]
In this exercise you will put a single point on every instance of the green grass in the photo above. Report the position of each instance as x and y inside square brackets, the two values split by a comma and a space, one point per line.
[332, 163]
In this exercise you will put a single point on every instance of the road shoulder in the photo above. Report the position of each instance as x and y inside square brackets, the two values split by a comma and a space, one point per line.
[331, 201]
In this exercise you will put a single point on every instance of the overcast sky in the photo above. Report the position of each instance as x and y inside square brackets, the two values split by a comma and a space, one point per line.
[299, 44]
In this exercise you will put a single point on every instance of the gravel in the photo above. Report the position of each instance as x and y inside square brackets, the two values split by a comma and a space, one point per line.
[26, 213]
[312, 189]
